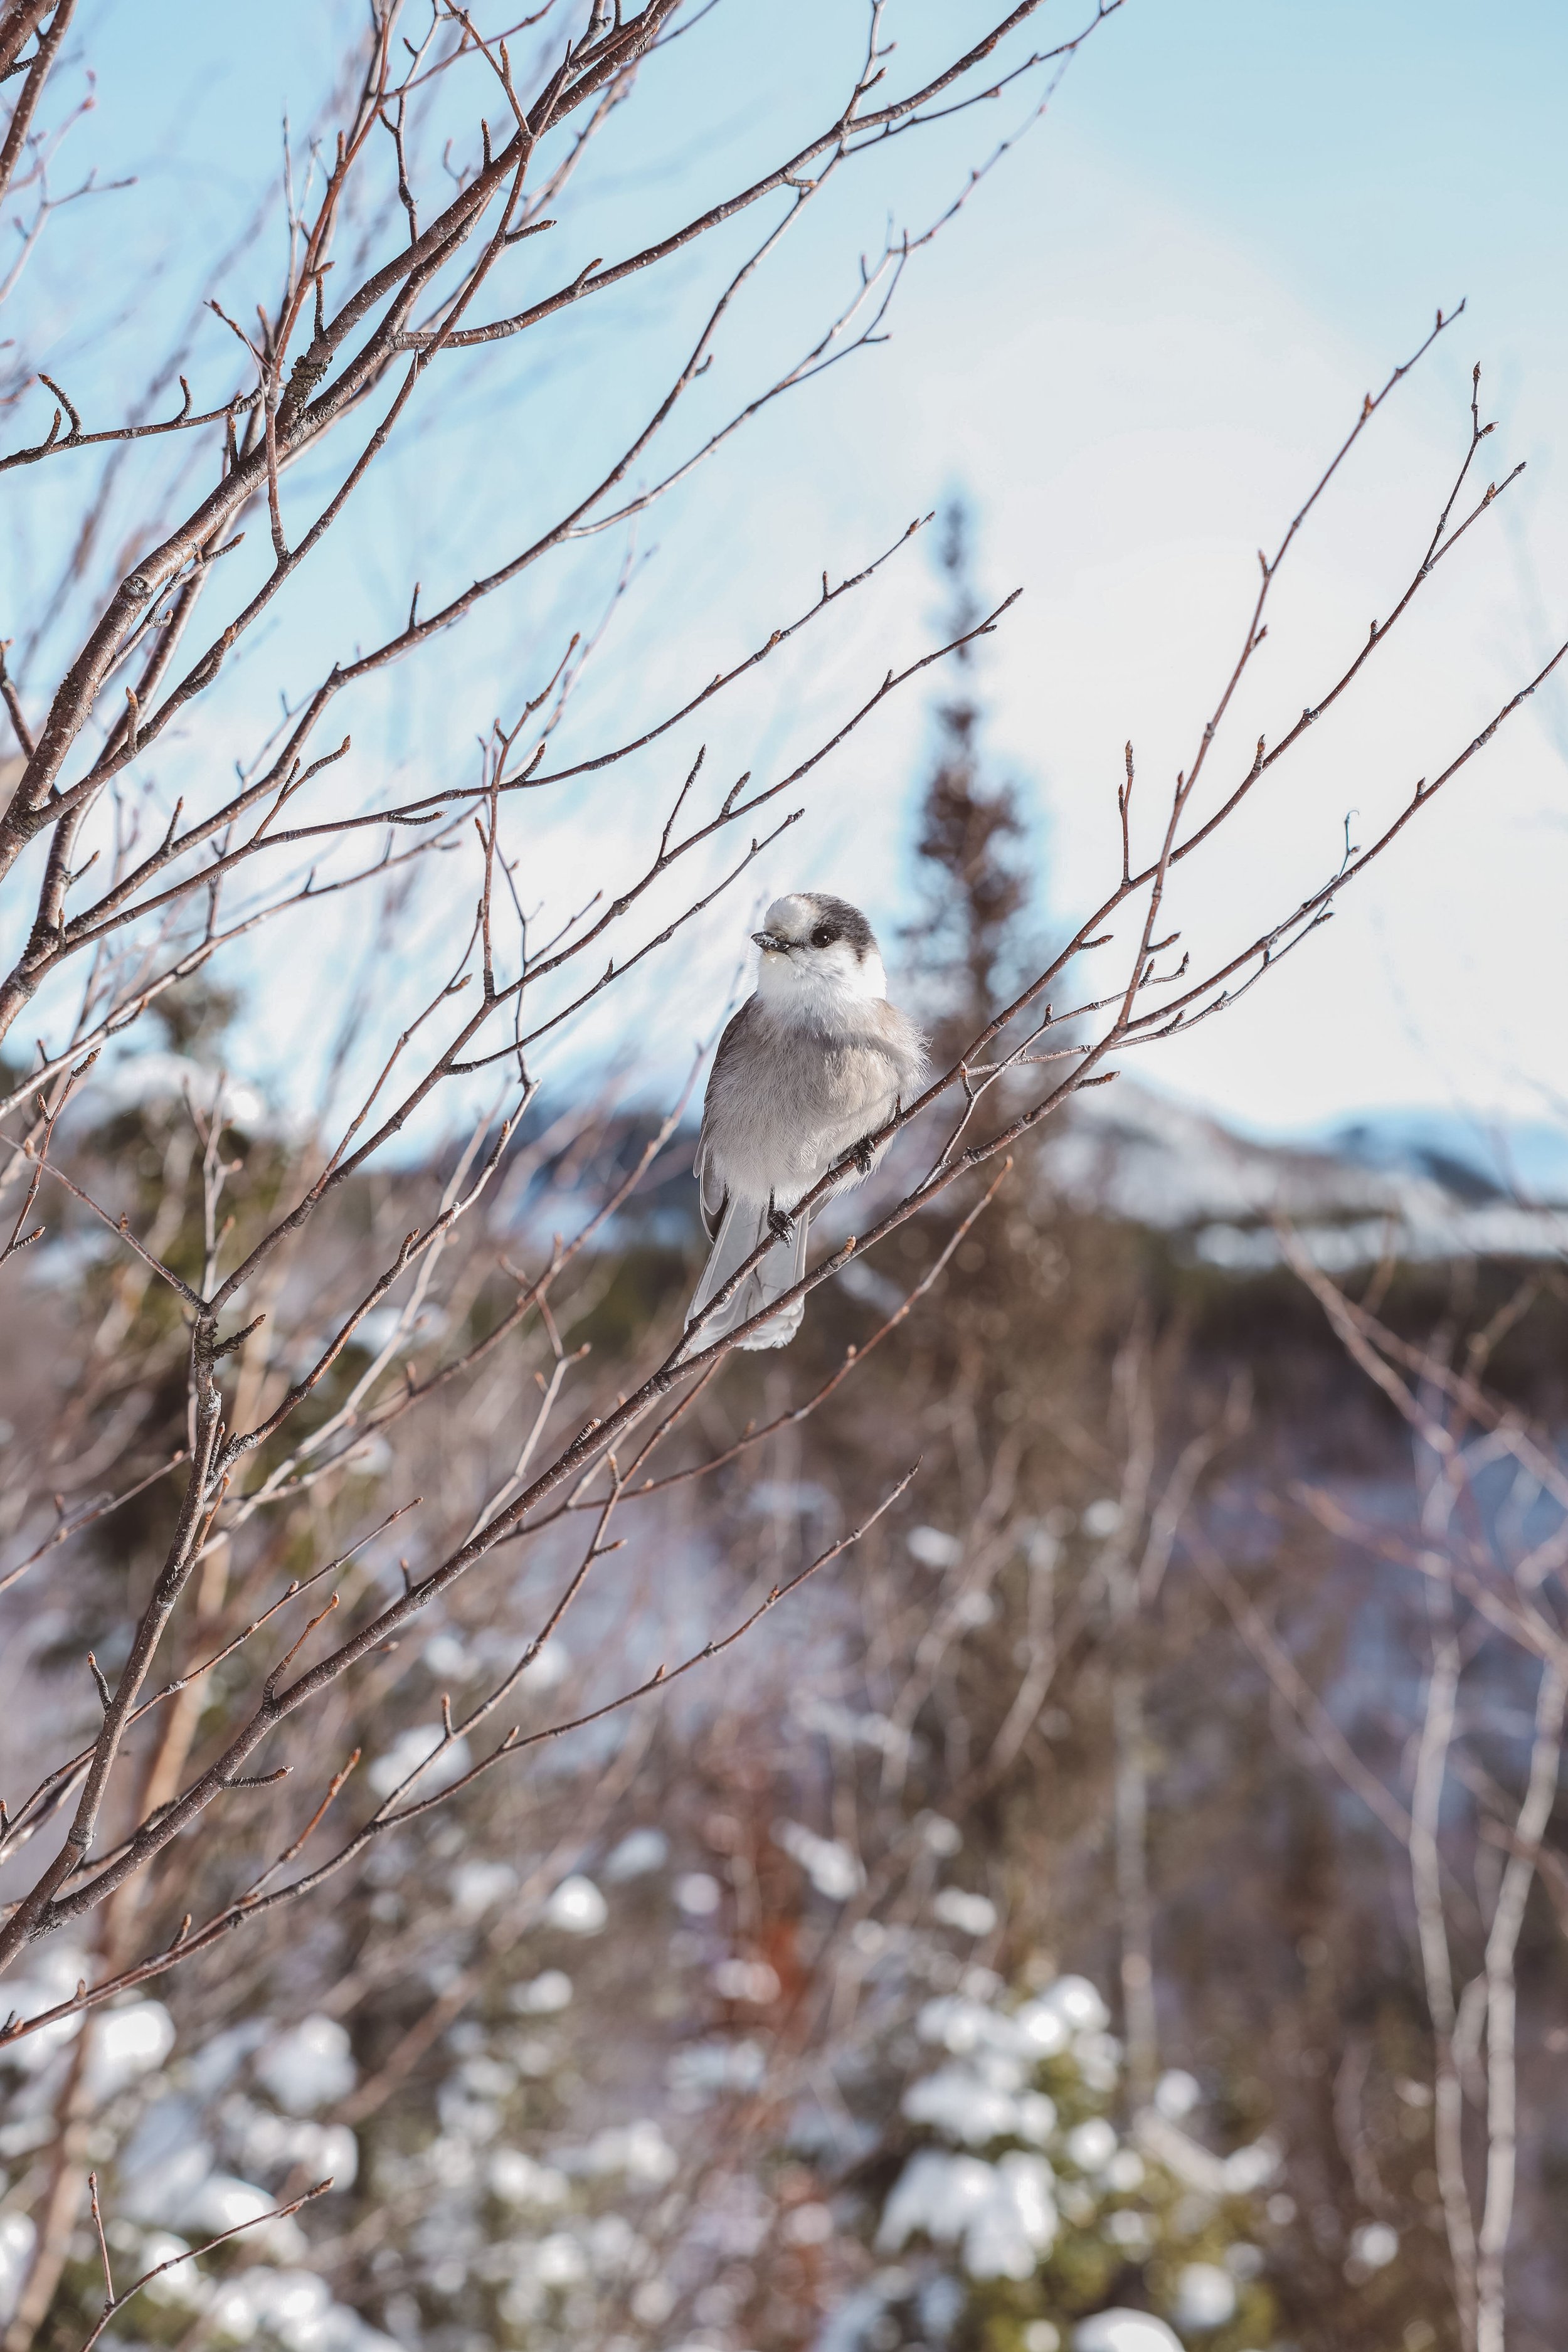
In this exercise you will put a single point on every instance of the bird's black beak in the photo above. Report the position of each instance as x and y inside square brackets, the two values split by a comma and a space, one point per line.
[770, 943]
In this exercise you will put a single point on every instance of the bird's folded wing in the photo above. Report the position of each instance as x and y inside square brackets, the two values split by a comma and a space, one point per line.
[712, 1200]
[712, 1195]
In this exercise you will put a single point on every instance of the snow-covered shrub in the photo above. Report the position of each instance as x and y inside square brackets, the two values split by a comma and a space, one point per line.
[1019, 2209]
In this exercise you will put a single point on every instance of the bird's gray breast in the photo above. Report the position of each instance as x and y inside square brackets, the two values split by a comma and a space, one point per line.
[788, 1098]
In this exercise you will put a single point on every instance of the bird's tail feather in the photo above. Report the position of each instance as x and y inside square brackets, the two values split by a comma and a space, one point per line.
[742, 1226]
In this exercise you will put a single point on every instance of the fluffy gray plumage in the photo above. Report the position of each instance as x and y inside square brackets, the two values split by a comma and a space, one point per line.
[811, 1065]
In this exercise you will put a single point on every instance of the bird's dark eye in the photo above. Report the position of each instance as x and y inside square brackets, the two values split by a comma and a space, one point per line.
[823, 937]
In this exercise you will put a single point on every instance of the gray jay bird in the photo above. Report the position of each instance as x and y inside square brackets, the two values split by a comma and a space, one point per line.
[808, 1069]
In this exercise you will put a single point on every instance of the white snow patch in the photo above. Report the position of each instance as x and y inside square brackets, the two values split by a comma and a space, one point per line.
[543, 1995]
[577, 1907]
[1003, 2214]
[560, 2260]
[752, 1981]
[1124, 2331]
[1091, 2144]
[1176, 2094]
[962, 2024]
[1099, 2060]
[478, 1886]
[828, 1862]
[296, 2308]
[1246, 2169]
[224, 2203]
[268, 2143]
[139, 1080]
[163, 2164]
[55, 1977]
[959, 2024]
[808, 2225]
[1078, 2004]
[408, 1751]
[375, 1331]
[1375, 2244]
[933, 1548]
[955, 2101]
[639, 2150]
[1494, 1229]
[16, 2235]
[445, 1655]
[517, 2179]
[182, 2287]
[1042, 2028]
[705, 2070]
[310, 2066]
[127, 2042]
[971, 1914]
[208, 2069]
[551, 1667]
[1206, 2295]
[848, 1729]
[638, 1852]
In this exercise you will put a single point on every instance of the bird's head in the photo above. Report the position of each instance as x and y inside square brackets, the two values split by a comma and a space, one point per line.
[816, 949]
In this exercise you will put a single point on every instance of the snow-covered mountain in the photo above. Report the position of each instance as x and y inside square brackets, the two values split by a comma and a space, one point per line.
[1479, 1159]
[1424, 1185]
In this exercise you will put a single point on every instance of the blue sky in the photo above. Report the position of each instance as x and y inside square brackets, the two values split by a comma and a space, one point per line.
[1132, 351]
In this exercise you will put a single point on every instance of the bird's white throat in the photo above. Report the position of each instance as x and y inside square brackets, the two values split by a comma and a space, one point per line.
[818, 984]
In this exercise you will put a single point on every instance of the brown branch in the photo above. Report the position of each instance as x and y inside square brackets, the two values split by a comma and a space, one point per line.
[100, 1510]
[114, 2303]
[28, 19]
[50, 1793]
[850, 126]
[238, 1915]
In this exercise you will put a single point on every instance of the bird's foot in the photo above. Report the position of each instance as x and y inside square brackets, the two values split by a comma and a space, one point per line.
[780, 1224]
[865, 1151]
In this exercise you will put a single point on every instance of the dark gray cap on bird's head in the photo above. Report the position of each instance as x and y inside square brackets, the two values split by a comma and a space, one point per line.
[815, 918]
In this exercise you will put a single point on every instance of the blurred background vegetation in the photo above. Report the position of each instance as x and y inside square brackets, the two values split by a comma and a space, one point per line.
[999, 1937]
